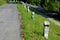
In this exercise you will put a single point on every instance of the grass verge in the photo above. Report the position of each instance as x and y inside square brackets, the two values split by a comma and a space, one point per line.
[33, 29]
[2, 2]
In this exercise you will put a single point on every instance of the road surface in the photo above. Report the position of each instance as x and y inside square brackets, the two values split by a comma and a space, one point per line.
[9, 22]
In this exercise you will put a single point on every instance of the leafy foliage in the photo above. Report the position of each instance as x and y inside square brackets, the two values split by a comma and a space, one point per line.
[52, 5]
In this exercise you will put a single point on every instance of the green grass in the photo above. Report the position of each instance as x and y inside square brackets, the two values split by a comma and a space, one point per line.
[2, 2]
[33, 29]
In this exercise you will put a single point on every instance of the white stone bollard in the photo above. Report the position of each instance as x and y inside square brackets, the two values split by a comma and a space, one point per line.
[33, 15]
[46, 29]
[24, 6]
[28, 9]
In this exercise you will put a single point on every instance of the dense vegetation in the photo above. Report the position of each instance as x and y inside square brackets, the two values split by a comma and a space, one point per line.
[53, 5]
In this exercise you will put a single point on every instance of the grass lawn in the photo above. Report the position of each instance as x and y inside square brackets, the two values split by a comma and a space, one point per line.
[33, 29]
[2, 2]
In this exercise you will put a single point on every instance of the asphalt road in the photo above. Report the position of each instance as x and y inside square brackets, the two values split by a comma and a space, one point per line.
[9, 22]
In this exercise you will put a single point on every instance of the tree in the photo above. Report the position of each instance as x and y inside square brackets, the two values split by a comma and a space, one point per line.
[52, 5]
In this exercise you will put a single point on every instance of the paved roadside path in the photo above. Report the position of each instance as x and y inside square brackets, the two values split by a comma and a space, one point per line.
[54, 21]
[9, 23]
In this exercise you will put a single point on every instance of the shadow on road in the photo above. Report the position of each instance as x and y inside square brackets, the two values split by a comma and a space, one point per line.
[38, 12]
[46, 13]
